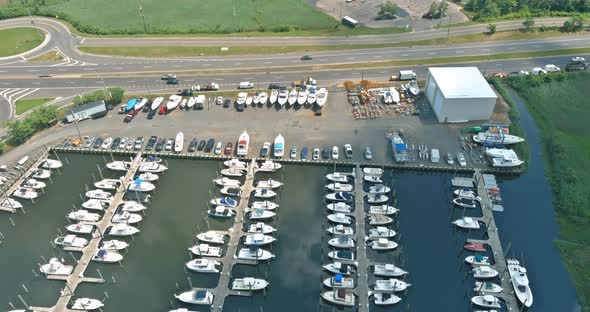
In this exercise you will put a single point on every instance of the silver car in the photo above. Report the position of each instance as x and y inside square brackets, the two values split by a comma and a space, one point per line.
[368, 153]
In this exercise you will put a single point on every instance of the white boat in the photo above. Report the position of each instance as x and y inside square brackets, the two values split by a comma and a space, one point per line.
[122, 229]
[292, 99]
[204, 265]
[264, 193]
[520, 282]
[205, 250]
[340, 187]
[139, 185]
[223, 181]
[312, 97]
[383, 209]
[173, 102]
[466, 223]
[224, 201]
[507, 162]
[265, 205]
[340, 229]
[339, 177]
[498, 152]
[270, 183]
[279, 146]
[140, 104]
[179, 142]
[379, 189]
[148, 176]
[339, 268]
[212, 237]
[70, 240]
[380, 232]
[248, 283]
[40, 174]
[382, 244]
[268, 166]
[322, 97]
[282, 97]
[114, 245]
[340, 218]
[56, 267]
[84, 216]
[478, 260]
[241, 99]
[151, 158]
[24, 193]
[243, 142]
[235, 163]
[183, 103]
[341, 255]
[191, 102]
[373, 171]
[274, 94]
[484, 272]
[106, 144]
[107, 184]
[260, 227]
[99, 194]
[221, 212]
[391, 285]
[51, 164]
[339, 282]
[379, 219]
[34, 184]
[80, 228]
[340, 297]
[156, 103]
[132, 206]
[231, 191]
[302, 97]
[200, 297]
[10, 203]
[254, 253]
[464, 202]
[377, 198]
[413, 88]
[385, 299]
[486, 301]
[152, 167]
[249, 100]
[107, 256]
[342, 241]
[263, 98]
[339, 207]
[487, 287]
[87, 304]
[388, 270]
[493, 138]
[465, 193]
[126, 217]
[261, 214]
[373, 178]
[340, 196]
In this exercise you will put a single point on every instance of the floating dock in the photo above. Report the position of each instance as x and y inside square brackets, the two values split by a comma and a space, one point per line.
[362, 290]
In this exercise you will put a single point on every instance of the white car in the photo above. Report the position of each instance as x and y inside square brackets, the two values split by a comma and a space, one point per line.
[245, 85]
[168, 146]
[538, 71]
[578, 59]
[265, 150]
[219, 100]
[315, 155]
[348, 150]
[293, 152]
[218, 148]
[335, 152]
[368, 153]
[122, 143]
[550, 68]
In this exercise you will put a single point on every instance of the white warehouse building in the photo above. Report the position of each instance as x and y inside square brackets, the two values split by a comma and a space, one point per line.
[459, 94]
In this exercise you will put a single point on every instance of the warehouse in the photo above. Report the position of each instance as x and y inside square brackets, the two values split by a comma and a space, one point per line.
[459, 94]
[91, 110]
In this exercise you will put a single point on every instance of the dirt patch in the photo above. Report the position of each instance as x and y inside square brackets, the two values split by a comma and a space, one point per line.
[500, 113]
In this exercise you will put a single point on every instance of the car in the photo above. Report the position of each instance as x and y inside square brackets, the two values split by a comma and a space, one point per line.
[240, 107]
[218, 148]
[209, 145]
[172, 81]
[246, 85]
[368, 153]
[123, 143]
[315, 154]
[226, 103]
[538, 71]
[192, 146]
[265, 150]
[348, 150]
[128, 118]
[228, 148]
[219, 100]
[168, 76]
[138, 143]
[335, 152]
[146, 107]
[160, 145]
[201, 145]
[151, 143]
[306, 58]
[274, 85]
[450, 160]
[326, 153]
[550, 68]
[293, 152]
[304, 153]
[169, 144]
[130, 144]
[578, 59]
[519, 73]
[115, 143]
[89, 143]
[97, 142]
[151, 114]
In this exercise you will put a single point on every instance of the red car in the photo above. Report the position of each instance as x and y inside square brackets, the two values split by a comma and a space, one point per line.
[228, 149]
[162, 110]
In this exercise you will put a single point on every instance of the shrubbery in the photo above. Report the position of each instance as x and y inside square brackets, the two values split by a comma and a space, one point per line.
[112, 98]
[19, 131]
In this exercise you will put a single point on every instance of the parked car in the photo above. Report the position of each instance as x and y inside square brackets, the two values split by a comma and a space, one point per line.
[240, 107]
[169, 144]
[348, 150]
[304, 153]
[335, 152]
[228, 148]
[123, 143]
[168, 76]
[368, 153]
[245, 85]
[138, 143]
[265, 150]
[201, 145]
[274, 85]
[151, 143]
[450, 160]
[218, 148]
[315, 155]
[293, 152]
[97, 142]
[115, 143]
[151, 114]
[130, 144]
[326, 153]
[128, 118]
[89, 143]
[192, 146]
[160, 145]
[226, 103]
[538, 71]
[209, 145]
[219, 100]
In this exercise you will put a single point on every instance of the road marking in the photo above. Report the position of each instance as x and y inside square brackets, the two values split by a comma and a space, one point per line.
[61, 69]
[377, 56]
[485, 50]
[237, 63]
[88, 69]
[565, 44]
[32, 70]
[431, 53]
[206, 65]
[511, 48]
[147, 67]
[537, 46]
[177, 66]
[131, 81]
[460, 51]
[219, 79]
[117, 67]
[350, 58]
[404, 55]
[35, 83]
[100, 82]
[294, 61]
[267, 62]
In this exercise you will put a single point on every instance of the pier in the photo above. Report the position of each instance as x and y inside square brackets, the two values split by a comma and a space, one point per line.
[360, 217]
[77, 276]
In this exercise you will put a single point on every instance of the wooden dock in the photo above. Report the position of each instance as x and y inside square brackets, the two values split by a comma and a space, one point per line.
[362, 289]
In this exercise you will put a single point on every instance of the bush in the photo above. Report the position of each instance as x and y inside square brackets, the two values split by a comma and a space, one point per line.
[575, 23]
[387, 11]
[39, 119]
[528, 23]
[491, 29]
[113, 98]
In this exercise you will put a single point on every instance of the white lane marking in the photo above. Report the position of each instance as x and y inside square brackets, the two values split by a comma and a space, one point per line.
[237, 63]
[88, 69]
[377, 56]
[350, 58]
[117, 67]
[218, 79]
[147, 67]
[460, 51]
[84, 39]
[431, 53]
[35, 83]
[99, 82]
[267, 62]
[62, 69]
[130, 81]
[177, 66]
[206, 65]
[404, 55]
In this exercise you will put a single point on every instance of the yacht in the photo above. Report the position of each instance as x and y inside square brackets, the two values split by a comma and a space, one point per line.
[243, 142]
[387, 270]
[465, 193]
[126, 218]
[339, 207]
[380, 232]
[507, 162]
[258, 239]
[40, 174]
[139, 185]
[382, 244]
[140, 104]
[373, 171]
[499, 152]
[130, 104]
[204, 265]
[122, 229]
[279, 146]
[86, 304]
[80, 228]
[212, 237]
[261, 214]
[25, 193]
[223, 181]
[341, 255]
[263, 98]
[132, 206]
[487, 287]
[200, 297]
[156, 103]
[241, 99]
[322, 97]
[274, 94]
[339, 177]
[383, 210]
[248, 283]
[107, 256]
[114, 245]
[152, 158]
[342, 241]
[413, 88]
[268, 166]
[221, 212]
[379, 219]
[254, 253]
[231, 191]
[340, 297]
[270, 183]
[235, 163]
[379, 189]
[340, 218]
[224, 201]
[292, 97]
[478, 260]
[385, 299]
[119, 165]
[266, 205]
[107, 184]
[464, 202]
[373, 178]
[312, 97]
[56, 267]
[339, 282]
[493, 138]
[179, 142]
[99, 194]
[486, 301]
[249, 100]
[10, 203]
[282, 97]
[51, 164]
[260, 227]
[484, 272]
[205, 250]
[340, 229]
[191, 102]
[340, 196]
[467, 223]
[391, 285]
[70, 240]
[148, 176]
[520, 282]
[264, 193]
[339, 187]
[302, 96]
[377, 198]
[84, 216]
[339, 268]
[173, 102]
[152, 167]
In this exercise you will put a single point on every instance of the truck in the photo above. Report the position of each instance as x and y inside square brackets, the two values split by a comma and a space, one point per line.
[245, 85]
[404, 75]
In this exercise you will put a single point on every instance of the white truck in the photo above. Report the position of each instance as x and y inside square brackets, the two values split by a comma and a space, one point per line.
[404, 75]
[245, 85]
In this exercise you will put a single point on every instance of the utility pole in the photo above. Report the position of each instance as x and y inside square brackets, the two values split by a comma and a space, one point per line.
[142, 16]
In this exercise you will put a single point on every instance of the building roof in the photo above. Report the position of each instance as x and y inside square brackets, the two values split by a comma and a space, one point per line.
[461, 82]
[84, 107]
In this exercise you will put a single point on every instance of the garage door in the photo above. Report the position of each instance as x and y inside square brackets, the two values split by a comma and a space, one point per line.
[430, 89]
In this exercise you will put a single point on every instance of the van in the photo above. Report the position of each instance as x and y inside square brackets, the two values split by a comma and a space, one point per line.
[245, 85]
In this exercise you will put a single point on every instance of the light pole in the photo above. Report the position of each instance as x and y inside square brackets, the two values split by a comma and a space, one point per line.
[142, 16]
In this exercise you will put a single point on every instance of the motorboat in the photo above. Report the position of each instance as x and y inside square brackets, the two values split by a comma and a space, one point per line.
[274, 94]
[487, 287]
[235, 163]
[152, 167]
[383, 210]
[520, 282]
[126, 217]
[478, 260]
[138, 185]
[179, 142]
[478, 247]
[221, 212]
[339, 268]
[385, 299]
[114, 245]
[140, 104]
[156, 103]
[373, 171]
[264, 193]
[379, 189]
[380, 232]
[99, 194]
[413, 88]
[107, 256]
[465, 193]
[34, 184]
[40, 174]
[243, 143]
[106, 144]
[191, 102]
[173, 102]
[200, 297]
[231, 191]
[292, 97]
[87, 304]
[372, 178]
[70, 240]
[56, 267]
[205, 250]
[263, 98]
[107, 184]
[486, 301]
[122, 229]
[119, 165]
[270, 183]
[387, 270]
[265, 205]
[132, 206]
[340, 229]
[260, 227]
[339, 207]
[340, 218]
[302, 96]
[339, 187]
[467, 223]
[25, 193]
[382, 244]
[224, 201]
[377, 198]
[148, 176]
[261, 214]
[204, 265]
[379, 219]
[254, 253]
[248, 283]
[339, 177]
[152, 158]
[340, 297]
[391, 285]
[507, 162]
[342, 241]
[484, 271]
[279, 146]
[464, 202]
[340, 196]
[51, 164]
[241, 99]
[249, 100]
[80, 228]
[268, 166]
[223, 181]
[339, 281]
[212, 237]
[10, 203]
[84, 216]
[282, 97]
[322, 97]
[495, 138]
[312, 98]
[499, 152]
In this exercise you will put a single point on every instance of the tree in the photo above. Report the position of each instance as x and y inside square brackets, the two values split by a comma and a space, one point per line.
[387, 11]
[491, 29]
[433, 9]
[528, 23]
[1, 147]
[113, 97]
[443, 8]
[506, 6]
[18, 131]
[573, 24]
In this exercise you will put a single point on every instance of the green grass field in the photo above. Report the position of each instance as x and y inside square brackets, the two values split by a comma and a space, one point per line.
[18, 40]
[28, 104]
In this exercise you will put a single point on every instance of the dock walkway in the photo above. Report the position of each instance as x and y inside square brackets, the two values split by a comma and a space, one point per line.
[360, 217]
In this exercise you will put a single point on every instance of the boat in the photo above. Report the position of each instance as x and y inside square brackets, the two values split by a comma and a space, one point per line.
[24, 193]
[260, 227]
[279, 146]
[84, 216]
[231, 191]
[99, 194]
[87, 304]
[191, 102]
[203, 265]
[51, 164]
[107, 143]
[254, 253]
[241, 99]
[156, 103]
[221, 212]
[80, 228]
[340, 196]
[179, 142]
[322, 97]
[466, 223]
[340, 218]
[311, 98]
[465, 193]
[138, 185]
[265, 205]
[126, 217]
[373, 171]
[292, 99]
[507, 161]
[270, 183]
[379, 219]
[40, 174]
[339, 187]
[130, 104]
[119, 165]
[34, 184]
[478, 260]
[382, 244]
[107, 256]
[383, 210]
[235, 163]
[498, 152]
[132, 206]
[387, 270]
[282, 97]
[302, 96]
[372, 178]
[339, 207]
[487, 287]
[385, 299]
[520, 282]
[341, 255]
[140, 104]
[339, 281]
[377, 198]
[10, 203]
[264, 193]
[478, 247]
[212, 237]
[486, 301]
[339, 268]
[379, 189]
[248, 283]
[56, 267]
[148, 176]
[200, 297]
[205, 250]
[464, 202]
[70, 240]
[274, 94]
[261, 214]
[268, 166]
[224, 201]
[339, 177]
[391, 285]
[223, 181]
[114, 245]
[495, 138]
[243, 142]
[263, 98]
[484, 271]
[340, 229]
[173, 102]
[122, 229]
[343, 241]
[380, 232]
[413, 88]
[107, 184]
[249, 100]
[340, 297]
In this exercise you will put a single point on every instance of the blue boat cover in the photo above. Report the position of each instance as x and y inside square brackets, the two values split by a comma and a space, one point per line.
[200, 294]
[131, 104]
[228, 201]
[101, 253]
[338, 278]
[344, 195]
[401, 147]
[138, 181]
[478, 258]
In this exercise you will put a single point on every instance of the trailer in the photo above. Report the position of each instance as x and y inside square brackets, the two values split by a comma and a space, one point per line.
[349, 21]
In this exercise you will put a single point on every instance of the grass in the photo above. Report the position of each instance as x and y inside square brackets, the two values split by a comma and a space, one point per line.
[19, 40]
[49, 56]
[28, 104]
[565, 134]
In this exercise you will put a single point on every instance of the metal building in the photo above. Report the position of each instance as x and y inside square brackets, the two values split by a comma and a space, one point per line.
[459, 94]
[90, 110]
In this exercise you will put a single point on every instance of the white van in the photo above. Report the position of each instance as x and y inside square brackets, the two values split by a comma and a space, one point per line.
[550, 68]
[245, 85]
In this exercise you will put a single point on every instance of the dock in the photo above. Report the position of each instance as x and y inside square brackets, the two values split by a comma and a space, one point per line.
[362, 289]
[77, 276]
